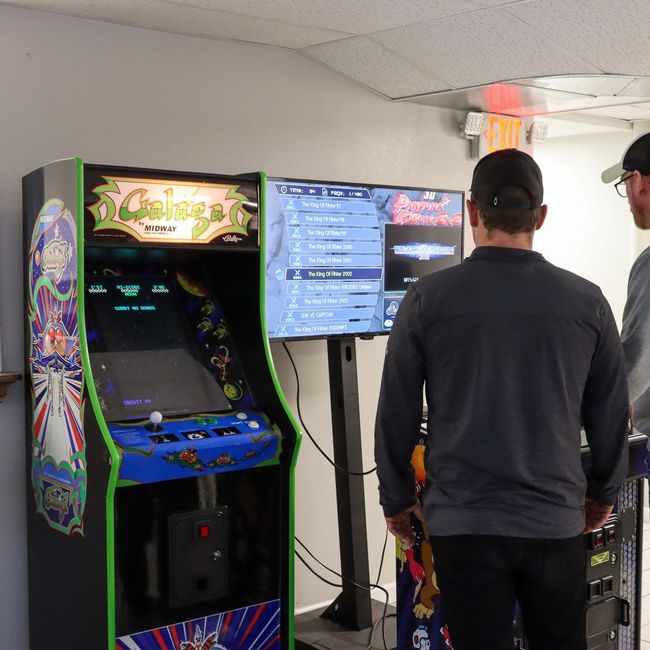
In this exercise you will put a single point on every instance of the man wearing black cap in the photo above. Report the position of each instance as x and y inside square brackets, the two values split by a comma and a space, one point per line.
[633, 176]
[514, 355]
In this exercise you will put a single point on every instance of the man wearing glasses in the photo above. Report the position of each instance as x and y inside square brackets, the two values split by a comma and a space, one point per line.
[633, 172]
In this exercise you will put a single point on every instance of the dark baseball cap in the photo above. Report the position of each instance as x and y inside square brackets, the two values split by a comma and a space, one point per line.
[507, 167]
[635, 159]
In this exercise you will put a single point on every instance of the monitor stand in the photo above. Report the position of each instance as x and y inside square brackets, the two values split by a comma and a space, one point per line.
[348, 622]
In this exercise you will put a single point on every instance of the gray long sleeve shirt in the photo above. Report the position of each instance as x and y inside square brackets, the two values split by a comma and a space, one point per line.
[636, 341]
[513, 354]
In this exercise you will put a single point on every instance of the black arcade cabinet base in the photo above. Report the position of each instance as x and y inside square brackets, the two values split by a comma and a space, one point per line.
[315, 632]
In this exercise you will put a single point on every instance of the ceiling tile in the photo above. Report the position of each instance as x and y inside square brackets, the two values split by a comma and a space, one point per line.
[193, 21]
[612, 36]
[422, 47]
[370, 64]
[480, 47]
[352, 16]
[498, 3]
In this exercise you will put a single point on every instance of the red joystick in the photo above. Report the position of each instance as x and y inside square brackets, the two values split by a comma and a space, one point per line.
[155, 418]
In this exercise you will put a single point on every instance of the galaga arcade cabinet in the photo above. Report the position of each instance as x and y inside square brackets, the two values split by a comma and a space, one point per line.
[160, 450]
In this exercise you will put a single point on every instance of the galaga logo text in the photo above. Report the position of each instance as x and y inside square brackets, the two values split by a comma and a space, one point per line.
[158, 210]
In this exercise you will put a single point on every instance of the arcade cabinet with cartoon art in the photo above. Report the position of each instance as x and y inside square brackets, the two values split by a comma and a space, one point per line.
[159, 450]
[420, 622]
[613, 589]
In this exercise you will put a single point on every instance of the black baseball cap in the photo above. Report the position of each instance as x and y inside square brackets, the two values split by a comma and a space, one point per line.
[635, 159]
[507, 167]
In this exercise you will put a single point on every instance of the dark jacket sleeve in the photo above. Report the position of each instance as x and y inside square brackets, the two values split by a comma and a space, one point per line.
[605, 411]
[400, 408]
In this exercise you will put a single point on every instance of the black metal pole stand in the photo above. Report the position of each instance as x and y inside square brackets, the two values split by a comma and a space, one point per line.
[349, 618]
[352, 607]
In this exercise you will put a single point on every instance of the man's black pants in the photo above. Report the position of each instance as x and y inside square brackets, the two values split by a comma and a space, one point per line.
[480, 576]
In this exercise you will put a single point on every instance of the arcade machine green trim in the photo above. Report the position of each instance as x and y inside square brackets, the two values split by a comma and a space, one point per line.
[285, 406]
[94, 401]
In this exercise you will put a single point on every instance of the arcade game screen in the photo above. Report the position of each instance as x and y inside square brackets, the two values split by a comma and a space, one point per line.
[340, 257]
[142, 355]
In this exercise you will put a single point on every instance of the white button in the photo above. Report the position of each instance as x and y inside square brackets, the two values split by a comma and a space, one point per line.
[242, 416]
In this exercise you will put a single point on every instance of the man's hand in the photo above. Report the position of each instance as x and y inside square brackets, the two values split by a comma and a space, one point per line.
[400, 524]
[596, 514]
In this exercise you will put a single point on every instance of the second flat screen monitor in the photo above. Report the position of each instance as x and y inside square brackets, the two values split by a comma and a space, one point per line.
[340, 257]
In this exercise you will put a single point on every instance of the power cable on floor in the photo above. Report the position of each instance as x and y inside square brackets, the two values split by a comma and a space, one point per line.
[352, 582]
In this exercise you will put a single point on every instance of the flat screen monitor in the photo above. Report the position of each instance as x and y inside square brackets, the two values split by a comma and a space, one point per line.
[339, 256]
[142, 354]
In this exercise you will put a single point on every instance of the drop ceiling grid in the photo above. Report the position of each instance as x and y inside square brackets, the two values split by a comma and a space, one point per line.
[192, 21]
[594, 85]
[500, 3]
[612, 36]
[501, 48]
[352, 16]
[366, 62]
[403, 49]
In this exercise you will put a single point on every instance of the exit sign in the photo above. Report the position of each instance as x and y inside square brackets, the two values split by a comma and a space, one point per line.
[503, 132]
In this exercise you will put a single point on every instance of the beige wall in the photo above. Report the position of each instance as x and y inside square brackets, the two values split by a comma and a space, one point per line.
[119, 95]
[589, 228]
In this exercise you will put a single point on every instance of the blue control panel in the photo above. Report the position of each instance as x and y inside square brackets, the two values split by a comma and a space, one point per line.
[196, 445]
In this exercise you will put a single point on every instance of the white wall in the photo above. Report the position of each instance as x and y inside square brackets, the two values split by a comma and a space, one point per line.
[589, 227]
[119, 95]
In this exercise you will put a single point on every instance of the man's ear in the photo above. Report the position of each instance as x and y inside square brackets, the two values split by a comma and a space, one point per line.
[642, 182]
[542, 215]
[472, 209]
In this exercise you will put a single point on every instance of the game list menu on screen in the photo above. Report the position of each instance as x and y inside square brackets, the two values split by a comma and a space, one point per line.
[339, 258]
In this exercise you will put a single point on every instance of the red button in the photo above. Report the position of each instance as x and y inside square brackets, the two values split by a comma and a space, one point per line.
[204, 531]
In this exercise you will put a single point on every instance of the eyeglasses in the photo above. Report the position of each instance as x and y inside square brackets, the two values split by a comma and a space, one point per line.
[620, 187]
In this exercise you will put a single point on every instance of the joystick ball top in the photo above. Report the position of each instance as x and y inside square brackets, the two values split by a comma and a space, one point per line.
[155, 417]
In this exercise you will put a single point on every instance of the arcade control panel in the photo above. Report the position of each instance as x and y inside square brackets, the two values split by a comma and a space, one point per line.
[606, 609]
[154, 450]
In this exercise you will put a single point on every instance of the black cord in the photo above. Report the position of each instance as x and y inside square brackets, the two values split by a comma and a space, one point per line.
[383, 552]
[384, 616]
[374, 629]
[381, 560]
[306, 430]
[352, 582]
[320, 577]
